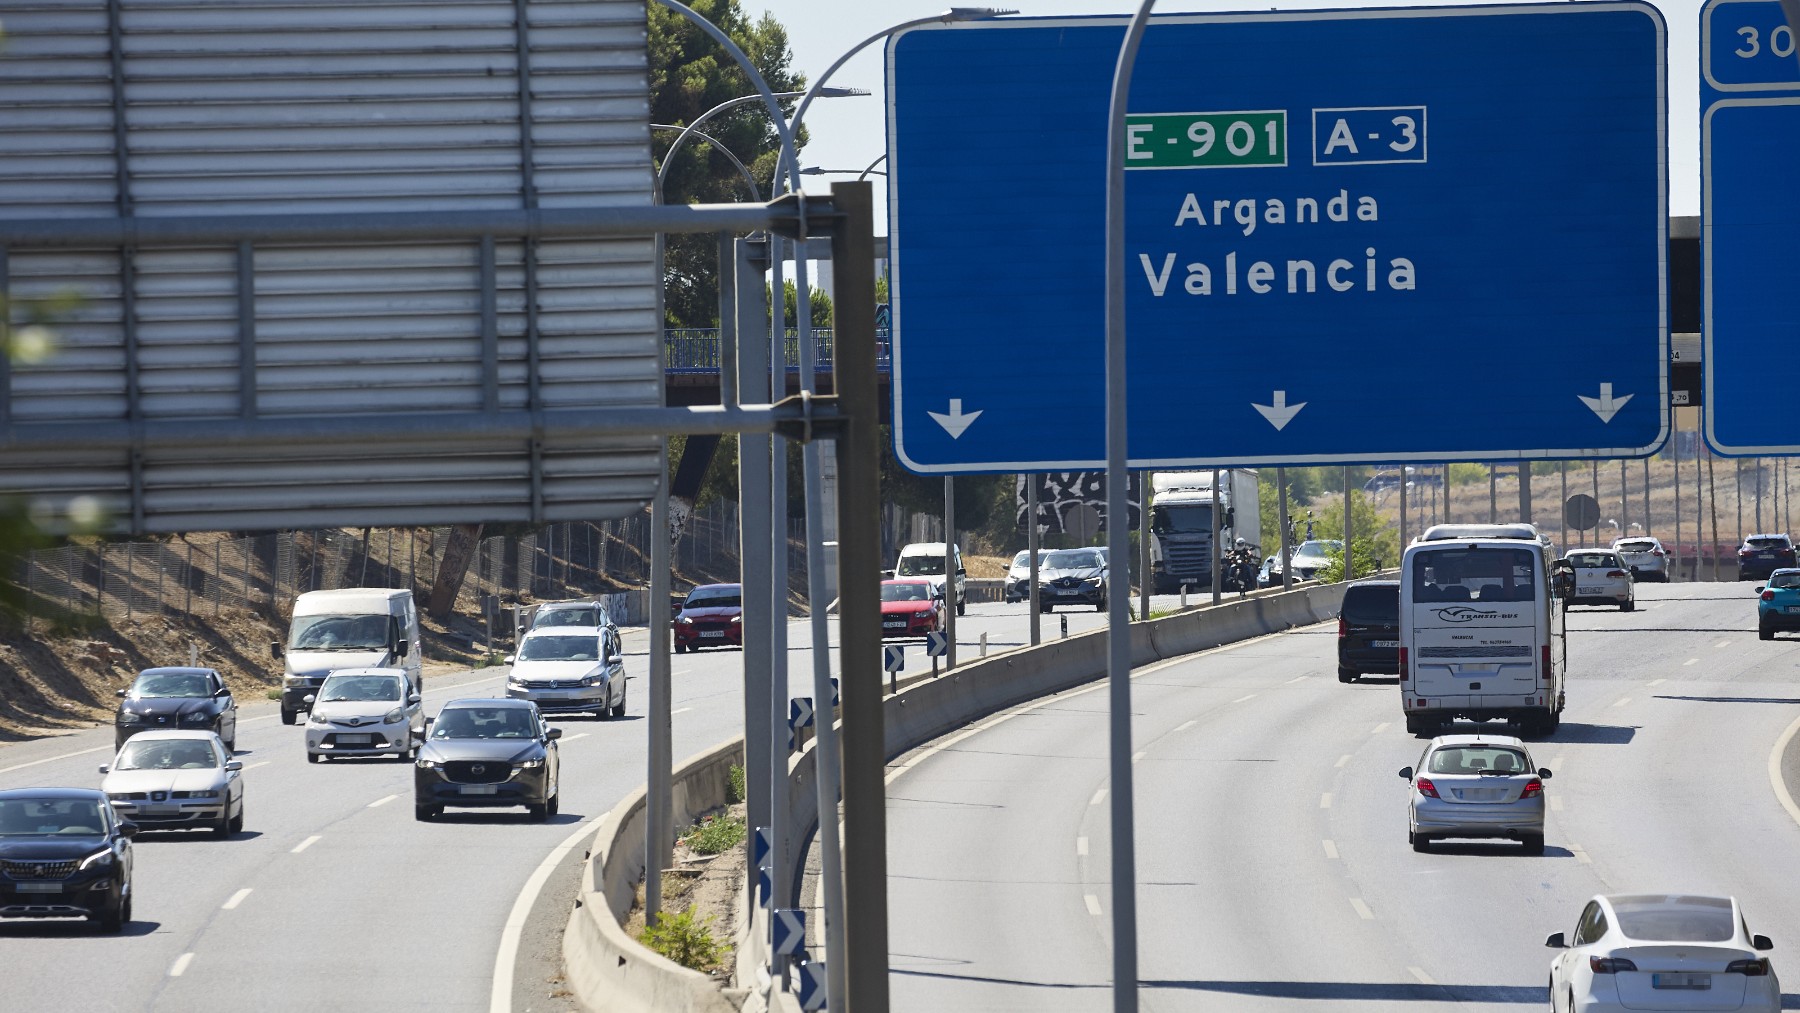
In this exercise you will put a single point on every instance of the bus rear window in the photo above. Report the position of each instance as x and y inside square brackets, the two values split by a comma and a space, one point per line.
[1482, 574]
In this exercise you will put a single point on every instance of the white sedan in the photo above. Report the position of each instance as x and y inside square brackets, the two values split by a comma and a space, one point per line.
[1601, 578]
[1661, 952]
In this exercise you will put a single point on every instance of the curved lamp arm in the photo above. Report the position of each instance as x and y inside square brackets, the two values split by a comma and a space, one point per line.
[662, 171]
[749, 180]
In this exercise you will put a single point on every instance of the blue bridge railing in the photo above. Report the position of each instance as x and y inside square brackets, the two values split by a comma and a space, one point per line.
[695, 350]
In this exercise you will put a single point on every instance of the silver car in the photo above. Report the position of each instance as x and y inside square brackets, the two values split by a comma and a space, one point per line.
[568, 669]
[176, 779]
[1476, 786]
[1644, 556]
[365, 712]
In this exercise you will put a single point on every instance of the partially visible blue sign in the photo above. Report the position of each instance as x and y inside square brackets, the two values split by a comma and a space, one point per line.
[1351, 236]
[1750, 223]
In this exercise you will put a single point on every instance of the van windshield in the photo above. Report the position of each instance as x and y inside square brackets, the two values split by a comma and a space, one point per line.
[1477, 574]
[920, 566]
[339, 633]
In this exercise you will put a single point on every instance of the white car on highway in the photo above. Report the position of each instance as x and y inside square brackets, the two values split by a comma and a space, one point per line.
[1601, 578]
[365, 712]
[1645, 557]
[175, 780]
[1661, 952]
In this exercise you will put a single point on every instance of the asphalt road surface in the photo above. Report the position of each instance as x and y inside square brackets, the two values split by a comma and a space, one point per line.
[1272, 862]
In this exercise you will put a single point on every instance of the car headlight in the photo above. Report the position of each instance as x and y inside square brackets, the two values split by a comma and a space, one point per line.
[424, 764]
[394, 716]
[318, 719]
[738, 618]
[683, 621]
[926, 614]
[102, 859]
[129, 717]
[594, 680]
[1093, 581]
[531, 764]
[209, 794]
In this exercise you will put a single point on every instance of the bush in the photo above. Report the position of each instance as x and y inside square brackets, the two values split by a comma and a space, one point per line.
[716, 834]
[683, 940]
[736, 792]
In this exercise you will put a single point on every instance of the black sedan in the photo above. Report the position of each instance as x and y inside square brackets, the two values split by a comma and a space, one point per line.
[1072, 577]
[64, 853]
[487, 754]
[192, 699]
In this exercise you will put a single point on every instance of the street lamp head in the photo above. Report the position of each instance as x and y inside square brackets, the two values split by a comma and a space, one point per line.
[841, 93]
[975, 13]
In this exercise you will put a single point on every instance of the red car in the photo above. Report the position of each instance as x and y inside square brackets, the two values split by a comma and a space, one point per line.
[909, 608]
[712, 616]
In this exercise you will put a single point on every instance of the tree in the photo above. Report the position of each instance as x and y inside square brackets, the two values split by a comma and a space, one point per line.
[690, 74]
[1374, 544]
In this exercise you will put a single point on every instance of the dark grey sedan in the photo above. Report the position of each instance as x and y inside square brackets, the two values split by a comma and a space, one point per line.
[485, 754]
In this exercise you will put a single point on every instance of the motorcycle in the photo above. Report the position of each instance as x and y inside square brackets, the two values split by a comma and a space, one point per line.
[1240, 568]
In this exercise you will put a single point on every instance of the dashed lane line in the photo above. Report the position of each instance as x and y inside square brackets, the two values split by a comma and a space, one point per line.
[1342, 760]
[53, 759]
[1099, 797]
[1419, 973]
[1297, 678]
[1093, 904]
[236, 899]
[1556, 803]
[1246, 696]
[382, 801]
[259, 763]
[180, 966]
[1185, 725]
[572, 738]
[1779, 783]
[1656, 682]
[1378, 729]
[303, 845]
[1580, 855]
[1325, 801]
[1081, 845]
[1723, 643]
[1135, 757]
[1362, 910]
[1690, 661]
[1622, 701]
[680, 710]
[1330, 849]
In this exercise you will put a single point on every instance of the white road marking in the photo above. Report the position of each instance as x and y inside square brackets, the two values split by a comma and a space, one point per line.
[236, 899]
[1419, 973]
[1325, 801]
[303, 845]
[1378, 729]
[381, 801]
[1099, 797]
[572, 738]
[1656, 682]
[1330, 849]
[1342, 760]
[1622, 701]
[680, 710]
[1298, 678]
[1556, 802]
[180, 965]
[1362, 909]
[1247, 696]
[1093, 904]
[259, 763]
[1081, 845]
[1723, 643]
[1690, 661]
[1185, 725]
[53, 759]
[1556, 764]
[1782, 794]
[1580, 855]
[1135, 757]
[507, 956]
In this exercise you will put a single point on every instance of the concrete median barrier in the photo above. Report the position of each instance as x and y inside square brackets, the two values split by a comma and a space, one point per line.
[610, 971]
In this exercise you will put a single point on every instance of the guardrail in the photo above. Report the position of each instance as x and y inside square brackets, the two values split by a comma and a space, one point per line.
[610, 972]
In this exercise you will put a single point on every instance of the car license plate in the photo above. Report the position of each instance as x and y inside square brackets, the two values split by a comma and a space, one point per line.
[1590, 590]
[354, 740]
[894, 625]
[1384, 643]
[38, 887]
[718, 634]
[1694, 981]
[478, 789]
[1791, 609]
[548, 695]
[1069, 592]
[159, 810]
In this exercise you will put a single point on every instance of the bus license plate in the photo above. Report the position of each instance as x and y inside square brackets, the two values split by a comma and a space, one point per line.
[1690, 981]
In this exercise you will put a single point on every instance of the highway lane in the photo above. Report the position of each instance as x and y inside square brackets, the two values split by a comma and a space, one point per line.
[1273, 868]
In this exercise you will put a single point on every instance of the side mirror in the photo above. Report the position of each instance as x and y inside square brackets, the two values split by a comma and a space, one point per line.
[553, 734]
[119, 693]
[1556, 941]
[510, 658]
[275, 648]
[105, 768]
[1406, 773]
[1759, 589]
[430, 720]
[1544, 773]
[234, 765]
[222, 692]
[960, 572]
[1761, 943]
[415, 698]
[400, 648]
[128, 828]
[615, 661]
[310, 698]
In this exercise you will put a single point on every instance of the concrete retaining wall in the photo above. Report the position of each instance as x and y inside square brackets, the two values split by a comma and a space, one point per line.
[611, 972]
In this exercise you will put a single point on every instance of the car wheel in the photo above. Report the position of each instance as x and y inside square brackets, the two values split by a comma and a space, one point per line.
[539, 813]
[1534, 844]
[237, 822]
[1418, 725]
[555, 804]
[1765, 632]
[618, 710]
[111, 918]
[1419, 842]
[679, 649]
[288, 717]
[425, 813]
[314, 757]
[1045, 607]
[125, 910]
[1346, 675]
[1629, 605]
[223, 827]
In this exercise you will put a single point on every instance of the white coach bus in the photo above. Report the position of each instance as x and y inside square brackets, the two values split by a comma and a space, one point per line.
[1482, 628]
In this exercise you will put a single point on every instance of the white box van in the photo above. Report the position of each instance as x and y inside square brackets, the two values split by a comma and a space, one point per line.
[358, 627]
[926, 559]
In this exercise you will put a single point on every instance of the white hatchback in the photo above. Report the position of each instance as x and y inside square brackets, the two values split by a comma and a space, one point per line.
[1662, 952]
[1644, 556]
[1601, 578]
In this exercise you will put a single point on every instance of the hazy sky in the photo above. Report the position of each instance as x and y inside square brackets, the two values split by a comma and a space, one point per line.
[848, 133]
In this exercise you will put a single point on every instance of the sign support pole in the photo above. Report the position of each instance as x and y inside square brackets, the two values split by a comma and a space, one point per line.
[951, 597]
[1218, 569]
[1032, 544]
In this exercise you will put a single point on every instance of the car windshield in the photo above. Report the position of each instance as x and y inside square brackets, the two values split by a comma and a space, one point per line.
[360, 687]
[1373, 606]
[732, 598]
[166, 754]
[339, 633]
[1636, 546]
[483, 723]
[172, 684]
[1675, 919]
[568, 617]
[919, 566]
[1767, 542]
[1073, 559]
[1317, 550]
[905, 592]
[31, 816]
[1022, 559]
[1477, 760]
[1477, 574]
[1785, 580]
[1592, 560]
[560, 649]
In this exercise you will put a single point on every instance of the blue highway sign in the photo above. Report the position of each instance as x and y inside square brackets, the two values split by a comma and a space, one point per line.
[1750, 221]
[1351, 236]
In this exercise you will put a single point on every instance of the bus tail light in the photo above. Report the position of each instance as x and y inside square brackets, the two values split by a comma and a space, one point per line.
[1403, 667]
[1546, 650]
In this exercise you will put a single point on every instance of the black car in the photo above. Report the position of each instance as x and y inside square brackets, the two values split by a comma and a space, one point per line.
[64, 853]
[1762, 555]
[1072, 577]
[1369, 630]
[487, 754]
[194, 699]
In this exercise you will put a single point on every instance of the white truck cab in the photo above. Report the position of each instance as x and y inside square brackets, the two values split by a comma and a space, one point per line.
[359, 627]
[926, 559]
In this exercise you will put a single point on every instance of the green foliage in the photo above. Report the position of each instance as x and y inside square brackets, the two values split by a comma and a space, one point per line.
[1268, 503]
[1468, 474]
[1363, 557]
[716, 834]
[271, 694]
[683, 939]
[1371, 536]
[736, 792]
[818, 299]
[690, 74]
